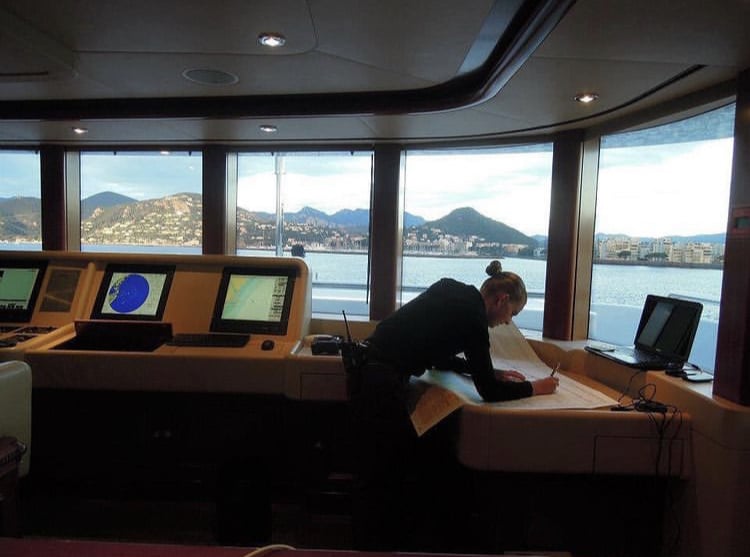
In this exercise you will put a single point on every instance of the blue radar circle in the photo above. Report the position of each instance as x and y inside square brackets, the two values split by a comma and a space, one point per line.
[129, 294]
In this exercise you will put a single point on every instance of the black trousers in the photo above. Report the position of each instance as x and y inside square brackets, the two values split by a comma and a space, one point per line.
[408, 492]
[384, 445]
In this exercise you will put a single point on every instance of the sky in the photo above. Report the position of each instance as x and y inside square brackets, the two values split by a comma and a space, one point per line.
[510, 188]
[682, 189]
[327, 183]
[678, 190]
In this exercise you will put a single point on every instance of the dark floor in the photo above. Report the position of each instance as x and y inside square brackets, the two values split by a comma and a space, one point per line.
[193, 522]
[181, 522]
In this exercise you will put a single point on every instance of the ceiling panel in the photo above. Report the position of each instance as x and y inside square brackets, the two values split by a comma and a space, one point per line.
[549, 86]
[109, 49]
[690, 32]
[422, 38]
[228, 26]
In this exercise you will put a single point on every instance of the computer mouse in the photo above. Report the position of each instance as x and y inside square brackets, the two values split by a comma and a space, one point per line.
[267, 344]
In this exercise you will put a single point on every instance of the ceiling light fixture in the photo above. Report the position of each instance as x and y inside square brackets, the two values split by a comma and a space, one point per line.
[586, 98]
[268, 128]
[80, 131]
[272, 40]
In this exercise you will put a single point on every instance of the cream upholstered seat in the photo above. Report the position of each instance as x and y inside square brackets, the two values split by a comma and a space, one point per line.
[15, 406]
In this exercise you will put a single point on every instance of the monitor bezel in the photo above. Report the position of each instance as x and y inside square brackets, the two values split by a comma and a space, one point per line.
[112, 268]
[24, 315]
[223, 325]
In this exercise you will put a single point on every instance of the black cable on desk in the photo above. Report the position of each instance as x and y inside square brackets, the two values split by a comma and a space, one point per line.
[662, 416]
[620, 406]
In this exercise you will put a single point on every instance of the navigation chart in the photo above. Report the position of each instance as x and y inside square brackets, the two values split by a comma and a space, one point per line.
[255, 298]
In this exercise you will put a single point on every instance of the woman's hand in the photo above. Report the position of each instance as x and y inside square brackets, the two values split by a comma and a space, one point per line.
[545, 386]
[509, 375]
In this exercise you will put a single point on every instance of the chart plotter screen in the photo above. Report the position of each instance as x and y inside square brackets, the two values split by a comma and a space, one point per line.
[20, 282]
[254, 301]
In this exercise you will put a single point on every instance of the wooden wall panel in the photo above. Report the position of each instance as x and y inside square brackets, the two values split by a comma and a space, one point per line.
[732, 375]
[563, 236]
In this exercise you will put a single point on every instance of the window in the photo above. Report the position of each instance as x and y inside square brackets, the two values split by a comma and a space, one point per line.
[314, 205]
[464, 208]
[20, 201]
[141, 202]
[661, 219]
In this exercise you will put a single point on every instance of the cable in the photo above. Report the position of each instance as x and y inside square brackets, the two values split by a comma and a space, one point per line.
[663, 416]
[269, 549]
[626, 407]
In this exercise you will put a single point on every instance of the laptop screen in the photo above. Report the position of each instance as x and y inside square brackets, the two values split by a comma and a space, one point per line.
[668, 326]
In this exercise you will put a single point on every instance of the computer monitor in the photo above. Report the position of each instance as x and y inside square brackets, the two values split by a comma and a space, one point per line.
[133, 292]
[254, 300]
[20, 282]
[668, 326]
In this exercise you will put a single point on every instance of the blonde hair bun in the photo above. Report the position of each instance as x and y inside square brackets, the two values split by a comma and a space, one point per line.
[494, 268]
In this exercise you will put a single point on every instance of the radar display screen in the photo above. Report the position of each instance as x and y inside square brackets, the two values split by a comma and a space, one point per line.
[133, 292]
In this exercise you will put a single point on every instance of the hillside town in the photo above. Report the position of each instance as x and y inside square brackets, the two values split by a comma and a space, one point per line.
[176, 220]
[659, 250]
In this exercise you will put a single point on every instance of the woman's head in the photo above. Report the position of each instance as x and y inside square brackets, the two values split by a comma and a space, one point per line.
[504, 294]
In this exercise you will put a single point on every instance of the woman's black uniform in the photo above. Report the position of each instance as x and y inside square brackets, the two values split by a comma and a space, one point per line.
[428, 332]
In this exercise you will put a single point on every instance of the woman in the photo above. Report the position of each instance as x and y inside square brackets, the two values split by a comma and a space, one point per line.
[447, 319]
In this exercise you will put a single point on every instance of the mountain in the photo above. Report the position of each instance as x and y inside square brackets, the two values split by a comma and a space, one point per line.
[540, 240]
[110, 217]
[243, 215]
[103, 200]
[352, 217]
[412, 220]
[467, 222]
[174, 219]
[20, 219]
[716, 238]
[345, 218]
[20, 206]
[309, 216]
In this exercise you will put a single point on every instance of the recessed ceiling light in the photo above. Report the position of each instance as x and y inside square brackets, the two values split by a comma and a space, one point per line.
[80, 131]
[206, 76]
[272, 40]
[268, 128]
[586, 98]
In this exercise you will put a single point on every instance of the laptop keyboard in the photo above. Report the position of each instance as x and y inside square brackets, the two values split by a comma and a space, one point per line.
[644, 356]
[221, 340]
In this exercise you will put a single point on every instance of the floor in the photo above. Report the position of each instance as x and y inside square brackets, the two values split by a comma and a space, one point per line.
[188, 521]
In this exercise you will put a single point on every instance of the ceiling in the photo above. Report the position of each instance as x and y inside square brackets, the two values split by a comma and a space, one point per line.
[358, 71]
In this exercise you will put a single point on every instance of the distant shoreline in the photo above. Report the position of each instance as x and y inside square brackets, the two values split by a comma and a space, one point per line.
[613, 262]
[670, 264]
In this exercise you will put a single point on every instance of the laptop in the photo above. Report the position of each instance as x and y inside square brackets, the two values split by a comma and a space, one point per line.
[664, 337]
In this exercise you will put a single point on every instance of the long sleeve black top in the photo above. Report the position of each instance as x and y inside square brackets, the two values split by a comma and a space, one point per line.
[429, 331]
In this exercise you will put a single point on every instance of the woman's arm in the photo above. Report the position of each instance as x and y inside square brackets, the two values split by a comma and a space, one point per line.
[490, 387]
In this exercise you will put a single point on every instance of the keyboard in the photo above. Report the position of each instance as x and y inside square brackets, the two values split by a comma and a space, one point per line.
[632, 357]
[221, 340]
